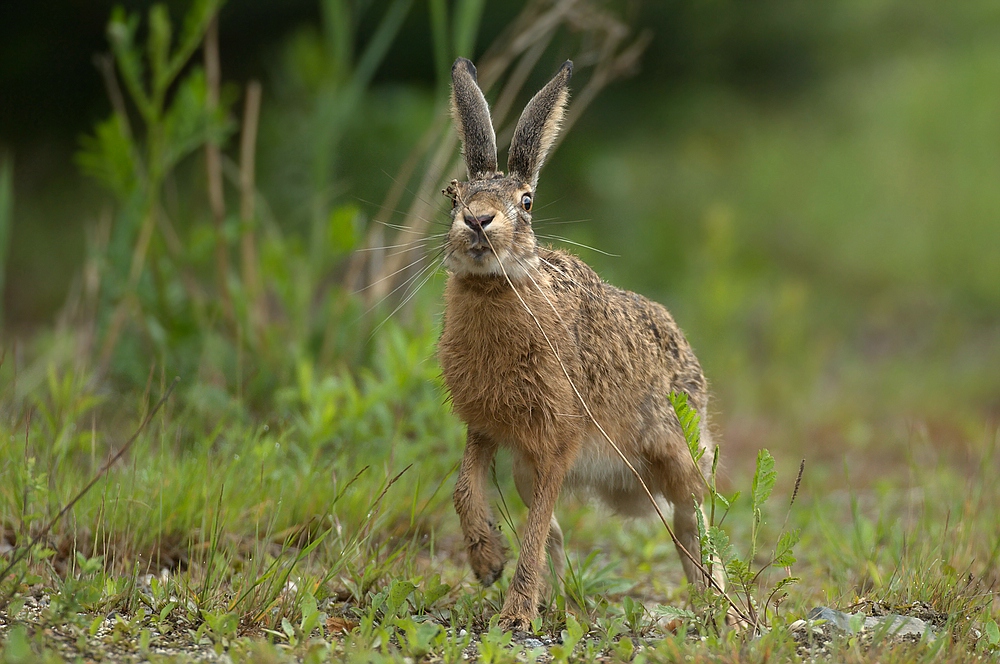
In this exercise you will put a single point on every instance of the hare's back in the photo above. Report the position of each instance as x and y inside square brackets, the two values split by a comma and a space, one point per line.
[627, 344]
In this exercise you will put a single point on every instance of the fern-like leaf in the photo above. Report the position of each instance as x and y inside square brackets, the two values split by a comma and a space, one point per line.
[689, 421]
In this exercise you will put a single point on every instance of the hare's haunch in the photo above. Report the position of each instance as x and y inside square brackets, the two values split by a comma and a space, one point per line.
[540, 354]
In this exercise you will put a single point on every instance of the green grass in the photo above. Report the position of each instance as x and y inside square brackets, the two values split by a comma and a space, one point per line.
[265, 537]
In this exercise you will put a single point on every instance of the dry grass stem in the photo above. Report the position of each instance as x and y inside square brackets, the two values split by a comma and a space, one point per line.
[514, 54]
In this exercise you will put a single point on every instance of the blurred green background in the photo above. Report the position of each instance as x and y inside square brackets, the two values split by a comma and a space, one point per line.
[811, 188]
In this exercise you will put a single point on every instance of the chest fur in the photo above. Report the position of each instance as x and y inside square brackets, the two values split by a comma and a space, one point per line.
[501, 373]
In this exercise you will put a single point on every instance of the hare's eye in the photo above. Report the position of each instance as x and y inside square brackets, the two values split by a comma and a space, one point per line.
[526, 202]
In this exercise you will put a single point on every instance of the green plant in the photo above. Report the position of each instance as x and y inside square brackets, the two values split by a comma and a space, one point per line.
[420, 639]
[571, 637]
[176, 120]
[635, 615]
[494, 646]
[587, 582]
[742, 572]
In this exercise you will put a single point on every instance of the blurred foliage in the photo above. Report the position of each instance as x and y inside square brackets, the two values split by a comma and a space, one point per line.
[148, 297]
[809, 188]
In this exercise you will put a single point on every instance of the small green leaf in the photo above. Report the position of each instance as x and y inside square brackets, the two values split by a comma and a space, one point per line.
[17, 647]
[992, 632]
[783, 556]
[435, 591]
[158, 45]
[310, 615]
[782, 584]
[738, 571]
[688, 419]
[573, 633]
[398, 592]
[702, 535]
[674, 613]
[165, 611]
[288, 628]
[719, 542]
[624, 649]
[188, 124]
[763, 479]
[108, 156]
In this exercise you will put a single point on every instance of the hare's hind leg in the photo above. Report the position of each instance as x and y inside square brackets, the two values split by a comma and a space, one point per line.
[684, 486]
[688, 542]
[486, 549]
[524, 474]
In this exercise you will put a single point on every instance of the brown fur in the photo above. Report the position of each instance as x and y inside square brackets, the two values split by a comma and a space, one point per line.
[623, 353]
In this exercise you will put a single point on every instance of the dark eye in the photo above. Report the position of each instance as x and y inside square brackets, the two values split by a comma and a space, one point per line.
[526, 202]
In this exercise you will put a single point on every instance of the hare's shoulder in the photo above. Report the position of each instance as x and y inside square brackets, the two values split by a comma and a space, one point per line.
[618, 327]
[605, 305]
[567, 273]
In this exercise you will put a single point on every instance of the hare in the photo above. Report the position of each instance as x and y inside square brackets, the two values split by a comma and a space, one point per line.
[544, 358]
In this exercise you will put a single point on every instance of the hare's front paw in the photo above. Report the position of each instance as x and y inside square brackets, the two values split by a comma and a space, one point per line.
[515, 623]
[487, 558]
[518, 612]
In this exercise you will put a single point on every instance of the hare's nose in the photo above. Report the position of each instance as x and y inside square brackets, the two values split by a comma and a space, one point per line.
[482, 221]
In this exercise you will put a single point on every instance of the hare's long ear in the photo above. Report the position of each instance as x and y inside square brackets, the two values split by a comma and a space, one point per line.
[472, 119]
[538, 127]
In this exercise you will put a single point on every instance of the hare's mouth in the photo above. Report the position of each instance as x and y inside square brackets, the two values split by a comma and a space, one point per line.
[478, 251]
[478, 245]
[475, 259]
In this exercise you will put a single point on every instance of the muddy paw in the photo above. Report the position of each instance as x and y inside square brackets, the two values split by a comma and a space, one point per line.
[487, 558]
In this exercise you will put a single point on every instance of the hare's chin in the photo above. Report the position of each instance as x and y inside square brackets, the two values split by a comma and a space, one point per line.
[487, 265]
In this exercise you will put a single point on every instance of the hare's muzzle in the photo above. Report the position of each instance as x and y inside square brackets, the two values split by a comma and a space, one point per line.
[480, 222]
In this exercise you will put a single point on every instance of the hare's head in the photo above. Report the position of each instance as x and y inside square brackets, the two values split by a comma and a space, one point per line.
[491, 213]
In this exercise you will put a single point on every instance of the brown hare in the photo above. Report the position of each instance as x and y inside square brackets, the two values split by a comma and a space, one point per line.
[545, 359]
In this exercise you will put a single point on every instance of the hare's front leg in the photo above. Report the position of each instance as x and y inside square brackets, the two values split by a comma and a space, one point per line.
[524, 480]
[522, 595]
[486, 549]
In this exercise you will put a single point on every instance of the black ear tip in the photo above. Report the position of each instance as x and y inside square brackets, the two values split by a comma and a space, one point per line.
[465, 63]
[567, 67]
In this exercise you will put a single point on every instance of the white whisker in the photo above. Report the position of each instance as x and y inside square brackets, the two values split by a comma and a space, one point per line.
[579, 244]
[555, 221]
[400, 246]
[389, 276]
[401, 228]
[431, 271]
[413, 193]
